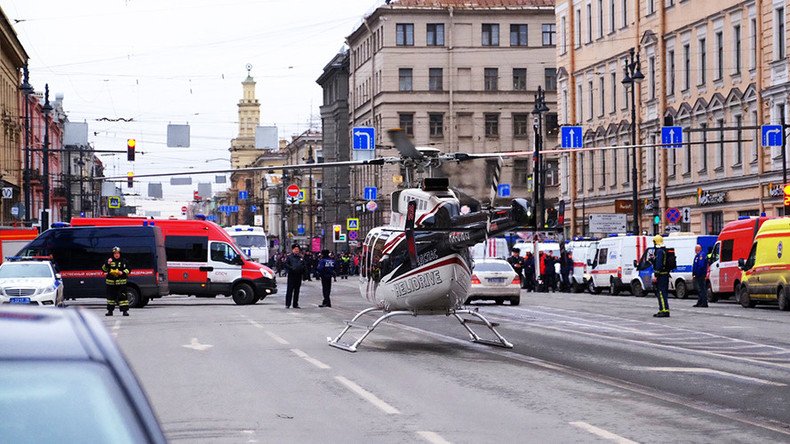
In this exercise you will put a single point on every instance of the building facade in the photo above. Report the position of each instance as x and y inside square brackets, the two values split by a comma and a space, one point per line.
[243, 154]
[305, 219]
[12, 58]
[457, 76]
[717, 69]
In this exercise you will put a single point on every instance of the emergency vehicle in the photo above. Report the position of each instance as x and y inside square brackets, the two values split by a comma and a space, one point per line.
[252, 241]
[12, 239]
[681, 281]
[582, 251]
[766, 271]
[613, 265]
[735, 241]
[202, 260]
[495, 247]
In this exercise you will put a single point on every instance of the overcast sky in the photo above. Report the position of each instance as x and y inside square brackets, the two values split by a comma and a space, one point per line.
[181, 61]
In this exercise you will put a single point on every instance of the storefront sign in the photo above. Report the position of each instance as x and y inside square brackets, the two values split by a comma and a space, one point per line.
[708, 198]
[775, 190]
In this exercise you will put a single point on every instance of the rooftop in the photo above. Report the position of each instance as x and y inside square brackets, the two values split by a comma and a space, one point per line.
[471, 4]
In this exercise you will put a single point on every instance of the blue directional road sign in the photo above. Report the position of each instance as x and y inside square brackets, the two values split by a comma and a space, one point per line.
[364, 138]
[503, 190]
[243, 195]
[300, 230]
[571, 137]
[371, 193]
[253, 208]
[672, 136]
[772, 135]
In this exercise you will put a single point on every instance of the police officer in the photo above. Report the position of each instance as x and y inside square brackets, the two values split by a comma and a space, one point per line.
[117, 272]
[662, 277]
[295, 265]
[326, 270]
[698, 271]
[517, 263]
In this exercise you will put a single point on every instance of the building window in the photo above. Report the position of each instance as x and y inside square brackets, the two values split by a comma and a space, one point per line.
[518, 35]
[406, 123]
[519, 79]
[651, 6]
[405, 79]
[671, 69]
[719, 55]
[434, 34]
[490, 34]
[673, 160]
[600, 19]
[704, 152]
[615, 166]
[752, 43]
[738, 155]
[651, 74]
[627, 169]
[564, 31]
[520, 125]
[614, 92]
[579, 107]
[492, 124]
[552, 173]
[491, 79]
[590, 96]
[603, 168]
[436, 124]
[589, 23]
[611, 16]
[550, 78]
[624, 12]
[578, 28]
[736, 36]
[686, 67]
[552, 124]
[720, 156]
[688, 158]
[714, 222]
[580, 171]
[435, 79]
[756, 141]
[780, 39]
[521, 172]
[549, 31]
[404, 34]
[703, 61]
[601, 94]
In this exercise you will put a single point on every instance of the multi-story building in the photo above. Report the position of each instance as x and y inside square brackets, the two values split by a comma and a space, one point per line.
[243, 152]
[460, 76]
[51, 126]
[717, 69]
[305, 219]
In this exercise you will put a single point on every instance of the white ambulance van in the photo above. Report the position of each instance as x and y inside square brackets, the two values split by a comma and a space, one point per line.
[251, 240]
[613, 265]
[582, 251]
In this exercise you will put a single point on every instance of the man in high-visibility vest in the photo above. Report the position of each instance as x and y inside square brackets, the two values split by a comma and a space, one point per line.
[117, 274]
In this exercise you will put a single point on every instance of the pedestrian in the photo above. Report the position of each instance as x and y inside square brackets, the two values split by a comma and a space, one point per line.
[345, 265]
[308, 266]
[662, 277]
[529, 272]
[551, 281]
[326, 270]
[517, 263]
[294, 264]
[117, 273]
[566, 268]
[699, 271]
[542, 271]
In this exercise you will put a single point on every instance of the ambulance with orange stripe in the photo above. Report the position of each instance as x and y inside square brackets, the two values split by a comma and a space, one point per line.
[613, 265]
[766, 271]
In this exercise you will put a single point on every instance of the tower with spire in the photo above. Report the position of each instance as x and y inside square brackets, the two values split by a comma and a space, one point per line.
[242, 148]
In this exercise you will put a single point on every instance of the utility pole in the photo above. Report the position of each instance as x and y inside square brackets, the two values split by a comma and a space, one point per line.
[69, 204]
[27, 90]
[311, 160]
[47, 109]
[283, 236]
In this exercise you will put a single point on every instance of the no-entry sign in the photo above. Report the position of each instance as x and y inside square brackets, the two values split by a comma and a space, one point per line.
[293, 190]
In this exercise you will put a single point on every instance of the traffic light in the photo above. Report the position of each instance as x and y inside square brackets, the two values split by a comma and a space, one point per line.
[787, 199]
[551, 217]
[130, 180]
[130, 144]
[656, 219]
[336, 233]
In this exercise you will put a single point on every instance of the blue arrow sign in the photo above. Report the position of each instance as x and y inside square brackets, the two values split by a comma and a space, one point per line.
[364, 138]
[503, 190]
[371, 193]
[243, 195]
[300, 229]
[571, 137]
[672, 136]
[772, 135]
[253, 208]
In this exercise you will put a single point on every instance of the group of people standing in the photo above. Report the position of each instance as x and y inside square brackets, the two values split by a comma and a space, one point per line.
[300, 267]
[547, 263]
[347, 264]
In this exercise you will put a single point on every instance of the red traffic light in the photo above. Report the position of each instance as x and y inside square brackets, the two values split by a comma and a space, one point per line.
[130, 145]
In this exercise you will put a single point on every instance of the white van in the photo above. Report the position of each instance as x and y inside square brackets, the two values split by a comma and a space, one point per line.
[582, 251]
[251, 240]
[613, 266]
[495, 247]
[681, 281]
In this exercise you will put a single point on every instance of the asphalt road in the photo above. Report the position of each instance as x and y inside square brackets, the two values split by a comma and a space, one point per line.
[585, 368]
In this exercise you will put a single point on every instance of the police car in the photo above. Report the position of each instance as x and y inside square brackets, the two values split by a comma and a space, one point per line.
[30, 282]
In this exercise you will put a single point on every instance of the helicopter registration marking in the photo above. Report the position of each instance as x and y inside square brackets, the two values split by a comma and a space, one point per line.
[418, 282]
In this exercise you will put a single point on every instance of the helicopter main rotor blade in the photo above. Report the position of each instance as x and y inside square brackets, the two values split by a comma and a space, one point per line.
[403, 144]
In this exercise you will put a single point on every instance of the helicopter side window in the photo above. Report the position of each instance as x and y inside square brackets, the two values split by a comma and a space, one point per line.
[376, 257]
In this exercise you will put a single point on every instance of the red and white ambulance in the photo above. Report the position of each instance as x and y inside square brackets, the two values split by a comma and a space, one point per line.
[202, 260]
[12, 239]
[734, 242]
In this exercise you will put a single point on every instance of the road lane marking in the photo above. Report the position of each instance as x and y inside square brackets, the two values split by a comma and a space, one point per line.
[255, 324]
[279, 340]
[432, 437]
[708, 371]
[309, 359]
[605, 434]
[367, 396]
[115, 328]
[195, 345]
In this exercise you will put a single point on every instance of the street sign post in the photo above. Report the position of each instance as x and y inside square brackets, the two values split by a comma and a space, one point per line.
[364, 138]
[772, 135]
[371, 206]
[114, 202]
[243, 194]
[352, 223]
[672, 136]
[607, 223]
[292, 200]
[292, 190]
[685, 214]
[673, 215]
[353, 235]
[300, 197]
[503, 190]
[571, 137]
[371, 193]
[8, 192]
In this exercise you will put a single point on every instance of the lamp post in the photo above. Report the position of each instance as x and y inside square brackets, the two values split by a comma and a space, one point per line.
[310, 160]
[46, 109]
[537, 176]
[27, 90]
[632, 76]
[283, 186]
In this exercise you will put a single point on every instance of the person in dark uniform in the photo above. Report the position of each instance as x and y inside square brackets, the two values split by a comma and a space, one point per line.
[566, 269]
[662, 277]
[326, 270]
[699, 271]
[295, 265]
[517, 263]
[529, 272]
[117, 273]
[551, 275]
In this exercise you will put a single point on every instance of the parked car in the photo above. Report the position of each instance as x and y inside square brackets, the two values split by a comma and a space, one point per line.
[765, 271]
[30, 282]
[681, 283]
[735, 242]
[64, 380]
[494, 280]
[613, 266]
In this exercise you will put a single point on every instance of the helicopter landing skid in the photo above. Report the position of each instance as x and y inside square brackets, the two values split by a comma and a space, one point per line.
[474, 337]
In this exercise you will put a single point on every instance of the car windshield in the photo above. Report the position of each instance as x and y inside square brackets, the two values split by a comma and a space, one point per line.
[493, 266]
[250, 241]
[16, 270]
[86, 401]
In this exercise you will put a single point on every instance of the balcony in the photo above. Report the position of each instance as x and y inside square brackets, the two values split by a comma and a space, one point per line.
[35, 176]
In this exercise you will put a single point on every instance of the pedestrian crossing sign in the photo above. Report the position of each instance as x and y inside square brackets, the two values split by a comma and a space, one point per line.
[352, 223]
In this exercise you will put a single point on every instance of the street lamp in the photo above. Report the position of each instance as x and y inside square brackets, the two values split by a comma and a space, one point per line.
[632, 76]
[311, 160]
[27, 90]
[46, 109]
[537, 179]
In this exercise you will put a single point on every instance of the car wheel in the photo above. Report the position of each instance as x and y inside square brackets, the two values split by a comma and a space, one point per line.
[712, 297]
[499, 301]
[636, 289]
[243, 294]
[133, 296]
[577, 287]
[681, 291]
[592, 288]
[744, 298]
[784, 302]
[614, 289]
[468, 301]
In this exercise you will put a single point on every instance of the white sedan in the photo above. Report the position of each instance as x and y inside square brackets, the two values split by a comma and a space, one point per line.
[494, 279]
[30, 283]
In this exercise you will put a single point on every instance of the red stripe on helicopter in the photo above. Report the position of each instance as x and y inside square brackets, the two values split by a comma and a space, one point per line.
[390, 245]
[435, 209]
[449, 261]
